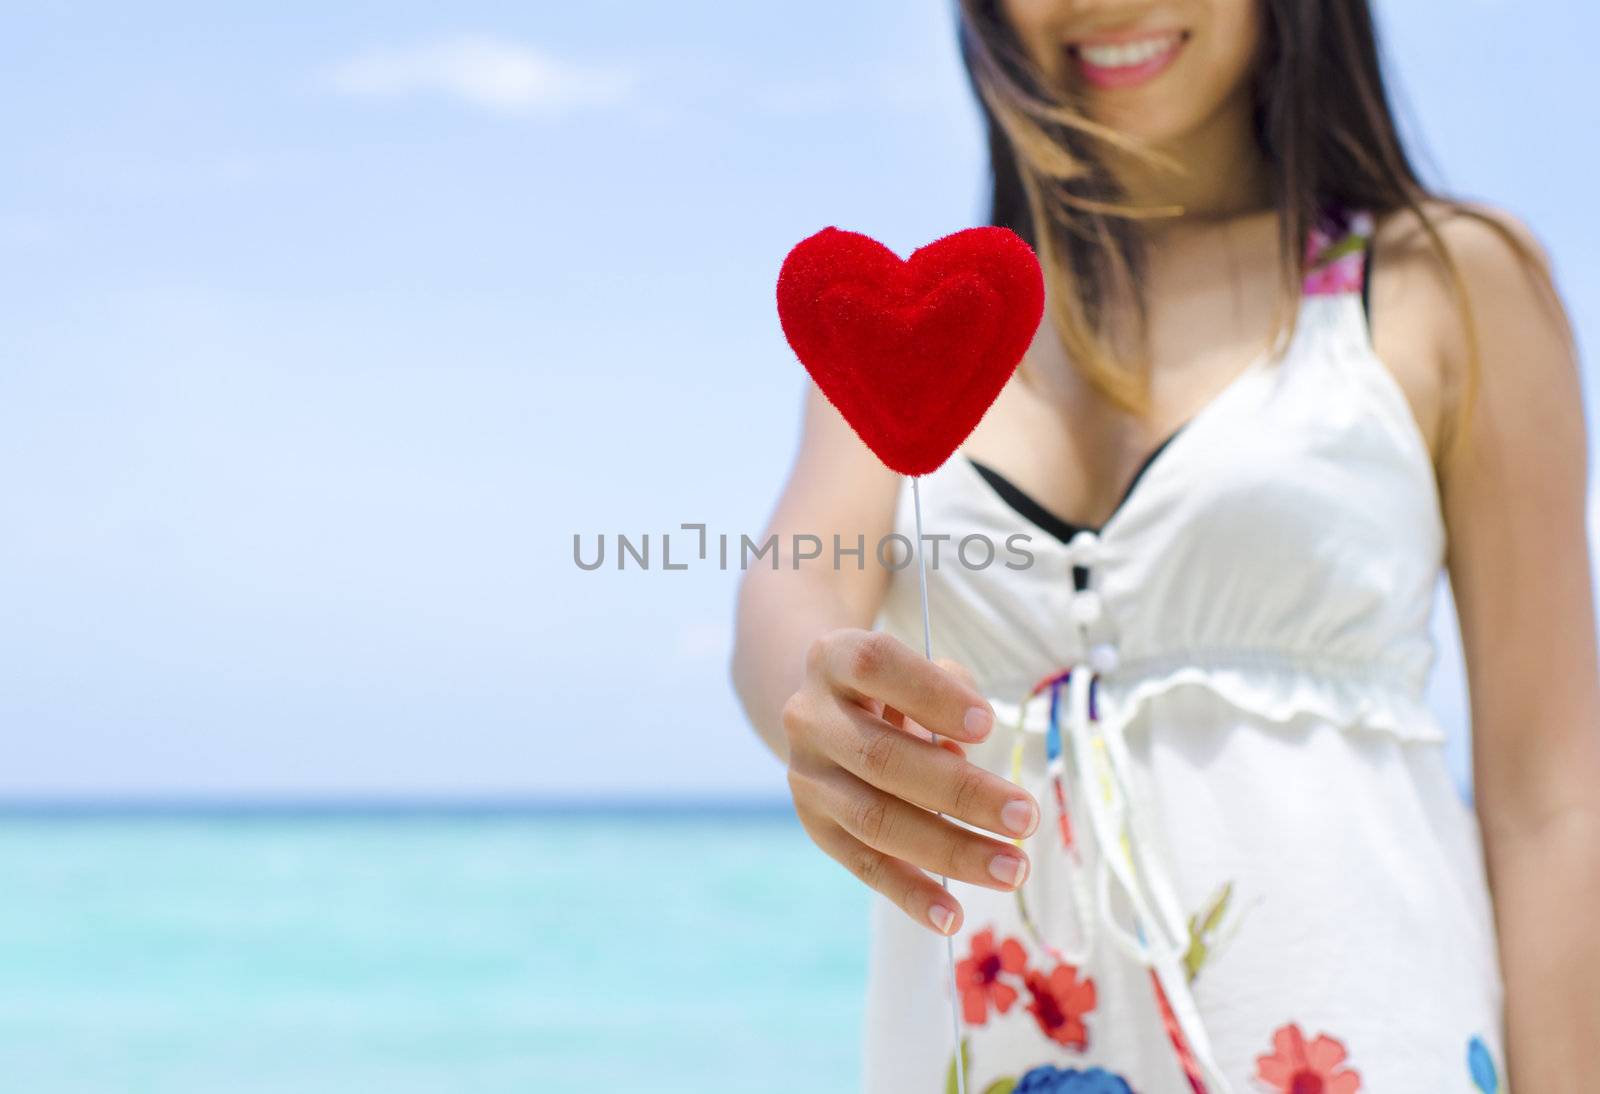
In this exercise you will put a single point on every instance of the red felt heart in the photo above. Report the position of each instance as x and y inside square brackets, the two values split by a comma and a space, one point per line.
[911, 352]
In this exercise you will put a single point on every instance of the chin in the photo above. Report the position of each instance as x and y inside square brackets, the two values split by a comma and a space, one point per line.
[1157, 123]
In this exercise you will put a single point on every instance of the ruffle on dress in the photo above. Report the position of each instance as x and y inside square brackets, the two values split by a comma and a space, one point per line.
[1277, 686]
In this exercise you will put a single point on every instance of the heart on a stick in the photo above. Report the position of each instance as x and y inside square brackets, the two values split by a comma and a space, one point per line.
[912, 352]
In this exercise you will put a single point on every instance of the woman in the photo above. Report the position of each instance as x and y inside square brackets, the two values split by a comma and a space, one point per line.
[1281, 386]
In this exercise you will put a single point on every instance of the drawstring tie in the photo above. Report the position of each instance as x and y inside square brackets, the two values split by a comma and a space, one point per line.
[1089, 756]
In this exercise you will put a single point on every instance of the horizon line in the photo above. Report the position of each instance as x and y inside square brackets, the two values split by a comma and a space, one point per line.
[361, 806]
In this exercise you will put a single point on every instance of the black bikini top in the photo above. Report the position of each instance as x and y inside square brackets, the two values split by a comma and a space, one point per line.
[1026, 505]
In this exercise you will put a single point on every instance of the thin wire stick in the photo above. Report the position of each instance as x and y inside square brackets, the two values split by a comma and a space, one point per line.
[927, 651]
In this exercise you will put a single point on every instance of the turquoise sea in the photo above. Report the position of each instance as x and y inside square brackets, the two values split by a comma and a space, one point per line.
[225, 951]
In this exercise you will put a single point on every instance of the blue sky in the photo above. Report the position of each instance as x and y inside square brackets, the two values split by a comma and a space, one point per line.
[327, 326]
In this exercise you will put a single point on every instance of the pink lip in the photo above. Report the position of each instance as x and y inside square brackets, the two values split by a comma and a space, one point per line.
[1123, 75]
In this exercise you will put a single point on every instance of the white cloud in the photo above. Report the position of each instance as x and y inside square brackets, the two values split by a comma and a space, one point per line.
[481, 71]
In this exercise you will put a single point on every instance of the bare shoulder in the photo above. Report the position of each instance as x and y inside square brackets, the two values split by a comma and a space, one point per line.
[1478, 229]
[1502, 263]
[1467, 263]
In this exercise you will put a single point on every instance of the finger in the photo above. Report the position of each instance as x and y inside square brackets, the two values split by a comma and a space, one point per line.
[901, 830]
[900, 721]
[879, 665]
[951, 665]
[956, 668]
[927, 775]
[914, 892]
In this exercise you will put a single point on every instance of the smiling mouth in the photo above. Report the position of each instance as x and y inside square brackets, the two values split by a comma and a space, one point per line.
[1126, 61]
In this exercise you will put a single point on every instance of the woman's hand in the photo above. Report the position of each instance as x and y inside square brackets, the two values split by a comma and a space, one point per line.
[865, 775]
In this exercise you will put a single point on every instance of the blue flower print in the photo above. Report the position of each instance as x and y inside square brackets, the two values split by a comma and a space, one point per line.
[1481, 1064]
[1054, 1080]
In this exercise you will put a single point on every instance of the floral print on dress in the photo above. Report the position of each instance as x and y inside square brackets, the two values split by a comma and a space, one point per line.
[1060, 1001]
[998, 971]
[994, 975]
[1295, 1066]
[1481, 1064]
[1336, 253]
[1057, 1080]
[979, 977]
[1204, 931]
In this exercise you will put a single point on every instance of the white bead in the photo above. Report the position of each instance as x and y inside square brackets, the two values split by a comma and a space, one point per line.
[1086, 608]
[1083, 549]
[1103, 657]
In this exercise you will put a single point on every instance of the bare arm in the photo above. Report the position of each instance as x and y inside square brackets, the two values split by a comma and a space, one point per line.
[850, 711]
[1520, 570]
[838, 487]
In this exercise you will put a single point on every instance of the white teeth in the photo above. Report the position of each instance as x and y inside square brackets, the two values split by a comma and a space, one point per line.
[1127, 54]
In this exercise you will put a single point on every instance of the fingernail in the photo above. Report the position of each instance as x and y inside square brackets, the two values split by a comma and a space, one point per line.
[979, 721]
[1019, 816]
[1008, 869]
[941, 918]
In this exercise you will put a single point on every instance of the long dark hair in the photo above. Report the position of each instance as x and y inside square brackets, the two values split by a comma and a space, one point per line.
[1323, 121]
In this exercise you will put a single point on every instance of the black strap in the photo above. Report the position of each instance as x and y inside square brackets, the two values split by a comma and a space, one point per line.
[1366, 277]
[1029, 507]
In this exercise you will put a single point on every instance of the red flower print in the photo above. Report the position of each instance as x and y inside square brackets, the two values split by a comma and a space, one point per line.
[1060, 1001]
[1295, 1067]
[978, 976]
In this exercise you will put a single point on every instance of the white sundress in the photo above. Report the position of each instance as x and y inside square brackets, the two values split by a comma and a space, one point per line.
[1269, 881]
